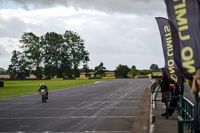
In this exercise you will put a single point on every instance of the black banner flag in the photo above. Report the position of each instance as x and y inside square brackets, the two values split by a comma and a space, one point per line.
[185, 15]
[170, 38]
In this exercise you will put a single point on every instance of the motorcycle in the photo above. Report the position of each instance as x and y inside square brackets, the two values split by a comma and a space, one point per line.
[43, 93]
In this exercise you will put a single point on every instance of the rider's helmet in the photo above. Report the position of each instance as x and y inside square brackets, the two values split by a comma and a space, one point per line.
[41, 84]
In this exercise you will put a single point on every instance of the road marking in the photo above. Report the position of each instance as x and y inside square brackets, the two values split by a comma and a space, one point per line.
[103, 132]
[72, 108]
[26, 126]
[98, 82]
[85, 132]
[71, 102]
[70, 117]
[94, 132]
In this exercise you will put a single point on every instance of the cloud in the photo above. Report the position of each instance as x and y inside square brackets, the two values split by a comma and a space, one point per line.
[126, 39]
[7, 45]
[5, 55]
[5, 61]
[3, 52]
[4, 58]
[112, 61]
[114, 33]
[144, 7]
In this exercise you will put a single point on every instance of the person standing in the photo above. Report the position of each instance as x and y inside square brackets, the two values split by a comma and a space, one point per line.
[176, 90]
[165, 89]
[196, 92]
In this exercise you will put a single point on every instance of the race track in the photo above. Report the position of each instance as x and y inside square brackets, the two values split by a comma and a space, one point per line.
[108, 106]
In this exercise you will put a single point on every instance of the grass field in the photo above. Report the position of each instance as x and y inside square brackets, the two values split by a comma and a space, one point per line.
[19, 88]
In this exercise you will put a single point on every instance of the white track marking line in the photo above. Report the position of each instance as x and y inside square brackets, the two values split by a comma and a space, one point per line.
[70, 117]
[71, 108]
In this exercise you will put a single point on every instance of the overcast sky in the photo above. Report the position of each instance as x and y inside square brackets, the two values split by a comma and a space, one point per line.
[115, 31]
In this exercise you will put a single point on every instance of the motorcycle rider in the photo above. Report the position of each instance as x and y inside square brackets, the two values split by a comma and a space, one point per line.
[43, 86]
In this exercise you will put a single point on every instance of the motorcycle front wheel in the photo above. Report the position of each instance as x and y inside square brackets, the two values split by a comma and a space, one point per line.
[43, 99]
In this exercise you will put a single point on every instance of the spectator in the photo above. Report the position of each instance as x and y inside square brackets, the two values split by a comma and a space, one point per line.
[165, 90]
[176, 90]
[196, 92]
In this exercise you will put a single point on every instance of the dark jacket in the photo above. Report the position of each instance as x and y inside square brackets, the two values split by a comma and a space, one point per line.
[197, 113]
[43, 87]
[165, 83]
[177, 89]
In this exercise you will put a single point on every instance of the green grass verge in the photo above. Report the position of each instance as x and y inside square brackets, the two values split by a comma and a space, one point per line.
[19, 88]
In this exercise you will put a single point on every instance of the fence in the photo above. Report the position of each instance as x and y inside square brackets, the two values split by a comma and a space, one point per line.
[154, 91]
[187, 116]
[184, 107]
[186, 111]
[178, 107]
[153, 97]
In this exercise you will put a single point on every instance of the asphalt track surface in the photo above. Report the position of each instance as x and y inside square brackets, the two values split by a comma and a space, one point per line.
[102, 107]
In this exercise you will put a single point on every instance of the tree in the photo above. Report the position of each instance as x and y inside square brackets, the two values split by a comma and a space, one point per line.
[52, 43]
[2, 71]
[19, 67]
[33, 52]
[86, 70]
[100, 70]
[52, 54]
[133, 71]
[13, 67]
[154, 68]
[65, 66]
[86, 67]
[122, 70]
[76, 49]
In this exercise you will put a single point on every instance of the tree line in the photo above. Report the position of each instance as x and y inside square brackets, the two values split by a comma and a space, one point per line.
[124, 71]
[49, 55]
[121, 70]
[60, 55]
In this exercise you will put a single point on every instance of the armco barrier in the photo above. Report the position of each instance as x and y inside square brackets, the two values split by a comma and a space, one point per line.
[95, 78]
[143, 76]
[154, 91]
[154, 95]
[69, 78]
[82, 78]
[118, 77]
[56, 79]
[108, 77]
[1, 84]
[156, 77]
